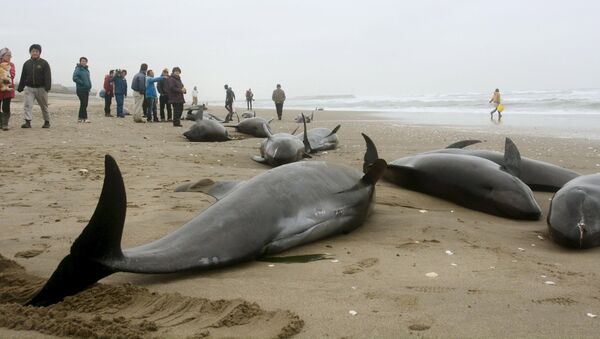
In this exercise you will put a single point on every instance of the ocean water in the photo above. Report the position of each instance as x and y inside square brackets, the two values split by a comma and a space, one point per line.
[565, 113]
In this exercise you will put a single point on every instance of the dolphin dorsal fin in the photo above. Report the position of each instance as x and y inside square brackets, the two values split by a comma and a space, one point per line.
[371, 155]
[375, 172]
[463, 143]
[512, 158]
[334, 130]
[307, 148]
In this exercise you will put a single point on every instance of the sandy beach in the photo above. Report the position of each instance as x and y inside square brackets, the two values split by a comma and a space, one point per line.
[496, 277]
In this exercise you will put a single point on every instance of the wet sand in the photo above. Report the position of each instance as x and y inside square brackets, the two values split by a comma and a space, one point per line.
[493, 285]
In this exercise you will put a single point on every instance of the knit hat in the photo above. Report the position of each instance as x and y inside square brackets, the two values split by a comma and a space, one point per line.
[35, 46]
[176, 69]
[4, 51]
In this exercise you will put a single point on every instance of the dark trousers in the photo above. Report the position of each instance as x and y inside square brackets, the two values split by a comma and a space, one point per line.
[177, 112]
[249, 104]
[5, 113]
[144, 104]
[151, 109]
[107, 103]
[279, 107]
[164, 101]
[120, 98]
[83, 104]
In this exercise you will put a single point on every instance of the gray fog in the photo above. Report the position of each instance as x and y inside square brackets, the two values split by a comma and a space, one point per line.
[373, 48]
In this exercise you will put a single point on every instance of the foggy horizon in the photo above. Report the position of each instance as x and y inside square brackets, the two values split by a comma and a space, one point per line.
[379, 48]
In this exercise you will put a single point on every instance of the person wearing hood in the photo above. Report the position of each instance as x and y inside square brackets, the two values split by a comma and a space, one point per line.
[36, 81]
[175, 91]
[8, 91]
[81, 78]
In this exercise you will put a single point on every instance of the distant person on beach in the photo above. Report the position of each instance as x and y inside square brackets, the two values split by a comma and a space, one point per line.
[229, 99]
[119, 85]
[151, 96]
[175, 92]
[278, 97]
[83, 85]
[138, 85]
[249, 98]
[7, 88]
[36, 80]
[108, 92]
[496, 101]
[195, 96]
[163, 99]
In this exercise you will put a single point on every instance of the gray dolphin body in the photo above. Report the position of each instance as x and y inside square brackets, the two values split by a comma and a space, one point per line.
[574, 217]
[253, 126]
[473, 182]
[538, 175]
[207, 130]
[281, 148]
[327, 199]
[321, 139]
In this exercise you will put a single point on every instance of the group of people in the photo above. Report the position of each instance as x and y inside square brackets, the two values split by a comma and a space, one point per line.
[150, 94]
[35, 82]
[278, 98]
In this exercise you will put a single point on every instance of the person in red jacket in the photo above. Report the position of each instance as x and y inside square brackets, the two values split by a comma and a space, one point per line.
[8, 91]
[108, 92]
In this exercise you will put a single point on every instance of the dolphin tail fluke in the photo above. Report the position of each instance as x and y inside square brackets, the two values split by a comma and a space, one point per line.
[373, 167]
[371, 155]
[99, 242]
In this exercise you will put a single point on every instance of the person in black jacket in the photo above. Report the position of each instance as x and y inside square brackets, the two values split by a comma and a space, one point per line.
[175, 92]
[36, 80]
[163, 99]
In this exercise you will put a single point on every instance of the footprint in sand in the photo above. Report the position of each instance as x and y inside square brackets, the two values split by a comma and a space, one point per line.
[32, 252]
[358, 267]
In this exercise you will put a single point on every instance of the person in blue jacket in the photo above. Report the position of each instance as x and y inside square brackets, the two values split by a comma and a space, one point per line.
[81, 77]
[151, 96]
[119, 84]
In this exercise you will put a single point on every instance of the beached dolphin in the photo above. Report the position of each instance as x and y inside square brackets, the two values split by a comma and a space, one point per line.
[574, 217]
[282, 148]
[247, 115]
[538, 175]
[252, 126]
[321, 139]
[206, 130]
[267, 214]
[473, 182]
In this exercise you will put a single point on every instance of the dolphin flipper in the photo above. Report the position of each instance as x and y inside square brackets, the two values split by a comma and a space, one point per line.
[259, 159]
[463, 143]
[217, 190]
[99, 242]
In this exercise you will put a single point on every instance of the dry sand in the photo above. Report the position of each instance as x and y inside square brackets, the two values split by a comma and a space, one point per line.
[493, 285]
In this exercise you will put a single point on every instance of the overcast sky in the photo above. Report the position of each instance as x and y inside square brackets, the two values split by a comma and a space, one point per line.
[319, 47]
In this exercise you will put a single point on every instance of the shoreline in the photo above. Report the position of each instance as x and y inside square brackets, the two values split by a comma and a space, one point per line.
[495, 289]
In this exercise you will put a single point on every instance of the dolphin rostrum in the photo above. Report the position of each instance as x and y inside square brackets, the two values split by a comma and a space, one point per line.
[324, 199]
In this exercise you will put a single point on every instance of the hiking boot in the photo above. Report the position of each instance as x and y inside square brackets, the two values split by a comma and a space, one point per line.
[27, 124]
[46, 124]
